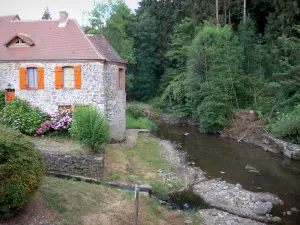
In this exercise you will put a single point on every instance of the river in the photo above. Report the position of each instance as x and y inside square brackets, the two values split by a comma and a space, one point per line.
[227, 159]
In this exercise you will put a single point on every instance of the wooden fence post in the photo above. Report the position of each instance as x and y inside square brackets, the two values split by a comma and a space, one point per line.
[137, 199]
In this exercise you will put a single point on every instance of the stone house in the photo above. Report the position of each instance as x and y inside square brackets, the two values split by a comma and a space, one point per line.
[52, 64]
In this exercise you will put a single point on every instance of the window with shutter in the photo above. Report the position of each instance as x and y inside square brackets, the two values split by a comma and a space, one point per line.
[32, 77]
[68, 74]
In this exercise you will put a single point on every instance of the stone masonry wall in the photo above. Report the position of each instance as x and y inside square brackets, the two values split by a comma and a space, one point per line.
[66, 163]
[99, 87]
[49, 98]
[115, 102]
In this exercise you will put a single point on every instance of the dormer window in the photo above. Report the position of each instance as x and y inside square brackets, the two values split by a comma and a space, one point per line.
[19, 40]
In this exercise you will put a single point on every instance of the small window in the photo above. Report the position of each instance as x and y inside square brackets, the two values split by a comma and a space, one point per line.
[32, 78]
[121, 79]
[68, 74]
[63, 107]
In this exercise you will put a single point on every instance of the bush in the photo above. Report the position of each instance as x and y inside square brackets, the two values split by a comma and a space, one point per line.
[21, 170]
[2, 99]
[288, 126]
[60, 121]
[18, 115]
[90, 127]
[134, 110]
[140, 123]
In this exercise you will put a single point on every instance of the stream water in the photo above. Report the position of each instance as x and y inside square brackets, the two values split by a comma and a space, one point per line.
[227, 159]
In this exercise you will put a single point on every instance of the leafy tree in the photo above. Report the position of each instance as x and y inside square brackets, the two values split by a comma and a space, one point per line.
[101, 13]
[145, 45]
[47, 14]
[118, 34]
[286, 14]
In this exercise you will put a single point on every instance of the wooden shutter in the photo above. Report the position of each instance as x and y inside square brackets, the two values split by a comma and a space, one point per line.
[40, 77]
[22, 72]
[58, 77]
[77, 77]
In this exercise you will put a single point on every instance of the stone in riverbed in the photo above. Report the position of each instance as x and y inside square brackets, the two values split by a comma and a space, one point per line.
[251, 169]
[211, 217]
[294, 209]
[241, 202]
[263, 209]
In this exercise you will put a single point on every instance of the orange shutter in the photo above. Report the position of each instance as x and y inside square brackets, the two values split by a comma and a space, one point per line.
[22, 72]
[77, 77]
[58, 77]
[40, 77]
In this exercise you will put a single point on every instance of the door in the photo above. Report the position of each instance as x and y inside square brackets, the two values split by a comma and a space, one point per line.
[10, 95]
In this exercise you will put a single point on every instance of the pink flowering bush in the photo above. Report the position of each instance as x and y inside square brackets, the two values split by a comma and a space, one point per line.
[60, 121]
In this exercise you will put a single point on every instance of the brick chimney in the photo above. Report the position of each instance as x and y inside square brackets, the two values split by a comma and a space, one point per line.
[63, 18]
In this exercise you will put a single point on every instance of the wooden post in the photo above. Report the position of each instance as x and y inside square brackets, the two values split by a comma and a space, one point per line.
[137, 199]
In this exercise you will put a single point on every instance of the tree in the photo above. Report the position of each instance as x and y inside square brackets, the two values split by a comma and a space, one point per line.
[285, 16]
[145, 46]
[47, 14]
[101, 13]
[117, 31]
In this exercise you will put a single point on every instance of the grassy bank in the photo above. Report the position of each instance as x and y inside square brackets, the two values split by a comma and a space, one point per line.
[136, 118]
[140, 164]
[74, 202]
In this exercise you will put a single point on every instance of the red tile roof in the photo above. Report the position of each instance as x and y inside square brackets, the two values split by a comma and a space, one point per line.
[51, 42]
[105, 48]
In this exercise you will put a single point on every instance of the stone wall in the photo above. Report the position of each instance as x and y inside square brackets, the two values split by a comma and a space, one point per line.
[115, 102]
[68, 164]
[49, 98]
[99, 87]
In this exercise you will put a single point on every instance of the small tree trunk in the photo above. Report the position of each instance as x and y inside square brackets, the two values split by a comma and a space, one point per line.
[217, 13]
[225, 12]
[229, 12]
[244, 11]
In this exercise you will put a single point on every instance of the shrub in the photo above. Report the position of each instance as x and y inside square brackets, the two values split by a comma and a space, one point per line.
[90, 127]
[140, 123]
[60, 121]
[288, 126]
[18, 115]
[134, 110]
[21, 170]
[2, 99]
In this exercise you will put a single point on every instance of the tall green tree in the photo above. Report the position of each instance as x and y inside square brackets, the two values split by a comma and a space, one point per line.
[117, 32]
[145, 47]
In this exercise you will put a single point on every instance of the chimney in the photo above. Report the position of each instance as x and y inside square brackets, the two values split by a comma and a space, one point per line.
[63, 18]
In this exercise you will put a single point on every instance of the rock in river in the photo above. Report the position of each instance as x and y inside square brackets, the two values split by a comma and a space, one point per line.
[240, 202]
[216, 217]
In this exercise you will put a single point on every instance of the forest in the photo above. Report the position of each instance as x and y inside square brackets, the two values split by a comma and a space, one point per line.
[202, 58]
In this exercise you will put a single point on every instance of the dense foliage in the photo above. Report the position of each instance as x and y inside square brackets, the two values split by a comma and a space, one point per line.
[199, 66]
[90, 127]
[2, 99]
[18, 115]
[21, 170]
[136, 118]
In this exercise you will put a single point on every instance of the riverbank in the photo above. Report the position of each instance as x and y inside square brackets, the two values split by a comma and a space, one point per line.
[245, 127]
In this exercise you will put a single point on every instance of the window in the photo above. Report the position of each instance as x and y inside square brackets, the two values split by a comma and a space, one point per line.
[121, 79]
[18, 41]
[32, 78]
[68, 75]
[63, 107]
